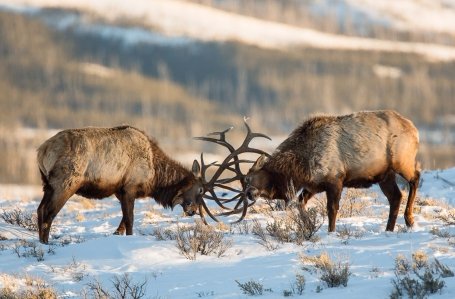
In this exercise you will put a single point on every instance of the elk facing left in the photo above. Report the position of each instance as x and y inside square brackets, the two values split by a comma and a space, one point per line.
[124, 161]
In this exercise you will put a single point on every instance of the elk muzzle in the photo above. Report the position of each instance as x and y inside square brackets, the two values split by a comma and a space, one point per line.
[189, 208]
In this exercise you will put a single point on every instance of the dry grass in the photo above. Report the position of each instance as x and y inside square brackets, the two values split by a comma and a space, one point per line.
[27, 287]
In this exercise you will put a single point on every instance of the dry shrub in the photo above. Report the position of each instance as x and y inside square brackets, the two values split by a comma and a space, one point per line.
[24, 248]
[346, 233]
[297, 286]
[152, 214]
[242, 228]
[123, 286]
[420, 260]
[202, 239]
[332, 273]
[16, 216]
[430, 202]
[296, 226]
[448, 218]
[252, 288]
[75, 270]
[354, 204]
[163, 234]
[419, 280]
[264, 238]
[26, 288]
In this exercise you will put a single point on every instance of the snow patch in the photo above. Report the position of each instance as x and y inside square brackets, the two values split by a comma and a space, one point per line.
[179, 18]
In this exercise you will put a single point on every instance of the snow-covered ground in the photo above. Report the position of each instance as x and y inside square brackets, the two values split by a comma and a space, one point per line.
[184, 20]
[83, 249]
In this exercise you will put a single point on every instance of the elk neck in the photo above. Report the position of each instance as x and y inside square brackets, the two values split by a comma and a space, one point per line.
[170, 178]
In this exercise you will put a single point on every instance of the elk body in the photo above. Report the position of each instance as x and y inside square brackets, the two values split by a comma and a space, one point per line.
[99, 162]
[327, 153]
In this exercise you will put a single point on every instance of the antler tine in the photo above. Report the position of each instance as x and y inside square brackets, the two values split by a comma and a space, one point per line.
[204, 167]
[201, 213]
[250, 136]
[222, 133]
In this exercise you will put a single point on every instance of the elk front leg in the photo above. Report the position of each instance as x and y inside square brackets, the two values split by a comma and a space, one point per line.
[333, 193]
[126, 224]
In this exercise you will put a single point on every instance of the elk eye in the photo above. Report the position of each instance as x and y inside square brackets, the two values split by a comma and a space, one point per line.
[201, 190]
[247, 179]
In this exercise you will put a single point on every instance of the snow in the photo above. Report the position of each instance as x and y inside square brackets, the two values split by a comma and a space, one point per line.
[92, 253]
[412, 15]
[194, 21]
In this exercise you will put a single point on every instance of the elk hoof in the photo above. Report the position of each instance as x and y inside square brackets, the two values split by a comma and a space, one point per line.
[409, 221]
[119, 232]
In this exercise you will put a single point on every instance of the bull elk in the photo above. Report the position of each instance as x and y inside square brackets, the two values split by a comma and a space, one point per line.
[327, 153]
[99, 162]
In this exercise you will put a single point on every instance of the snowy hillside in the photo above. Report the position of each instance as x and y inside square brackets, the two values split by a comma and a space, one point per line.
[180, 18]
[83, 252]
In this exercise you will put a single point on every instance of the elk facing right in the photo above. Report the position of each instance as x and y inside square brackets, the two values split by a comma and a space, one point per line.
[328, 153]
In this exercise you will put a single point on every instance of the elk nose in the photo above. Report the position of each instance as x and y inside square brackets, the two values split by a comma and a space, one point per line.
[190, 213]
[249, 194]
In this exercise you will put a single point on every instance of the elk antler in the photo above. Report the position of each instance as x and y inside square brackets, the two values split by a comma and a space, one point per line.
[231, 164]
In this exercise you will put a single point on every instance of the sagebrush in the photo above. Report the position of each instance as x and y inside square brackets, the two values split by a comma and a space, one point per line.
[200, 239]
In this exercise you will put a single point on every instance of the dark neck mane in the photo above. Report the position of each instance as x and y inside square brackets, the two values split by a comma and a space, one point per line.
[284, 168]
[170, 178]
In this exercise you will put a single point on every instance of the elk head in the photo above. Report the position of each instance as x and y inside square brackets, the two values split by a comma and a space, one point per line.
[231, 165]
[260, 181]
[190, 196]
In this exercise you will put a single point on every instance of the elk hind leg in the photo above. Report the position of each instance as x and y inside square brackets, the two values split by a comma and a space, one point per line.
[52, 202]
[413, 185]
[47, 197]
[390, 189]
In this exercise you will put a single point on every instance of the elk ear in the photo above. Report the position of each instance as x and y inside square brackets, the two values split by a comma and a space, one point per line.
[196, 168]
[259, 163]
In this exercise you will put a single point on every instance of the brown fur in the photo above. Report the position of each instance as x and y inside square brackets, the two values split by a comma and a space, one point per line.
[327, 153]
[99, 162]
